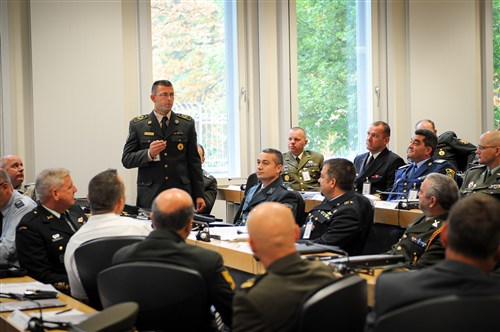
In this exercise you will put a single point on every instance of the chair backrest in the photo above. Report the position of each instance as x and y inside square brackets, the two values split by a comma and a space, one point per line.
[446, 313]
[93, 256]
[170, 297]
[118, 318]
[300, 214]
[338, 306]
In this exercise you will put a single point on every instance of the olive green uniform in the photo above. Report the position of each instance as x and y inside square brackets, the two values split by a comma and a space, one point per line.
[477, 181]
[303, 175]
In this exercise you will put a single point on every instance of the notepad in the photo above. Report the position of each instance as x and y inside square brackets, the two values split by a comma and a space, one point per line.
[27, 305]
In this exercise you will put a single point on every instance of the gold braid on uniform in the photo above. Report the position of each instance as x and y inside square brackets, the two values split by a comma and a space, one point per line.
[433, 236]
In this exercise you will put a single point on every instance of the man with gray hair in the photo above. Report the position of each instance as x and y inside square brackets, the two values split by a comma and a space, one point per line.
[13, 206]
[420, 244]
[42, 234]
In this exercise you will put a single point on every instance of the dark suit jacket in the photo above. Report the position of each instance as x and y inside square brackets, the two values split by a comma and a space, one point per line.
[459, 153]
[210, 188]
[270, 303]
[380, 172]
[41, 241]
[344, 222]
[274, 192]
[396, 289]
[179, 165]
[168, 247]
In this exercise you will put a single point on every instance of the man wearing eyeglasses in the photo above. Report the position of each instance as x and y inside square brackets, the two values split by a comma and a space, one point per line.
[485, 178]
[163, 145]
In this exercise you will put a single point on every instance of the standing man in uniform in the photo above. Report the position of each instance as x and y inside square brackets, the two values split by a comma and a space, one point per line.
[163, 146]
[375, 169]
[301, 168]
[13, 206]
[269, 303]
[485, 178]
[209, 185]
[409, 177]
[421, 244]
[42, 234]
[459, 153]
[344, 218]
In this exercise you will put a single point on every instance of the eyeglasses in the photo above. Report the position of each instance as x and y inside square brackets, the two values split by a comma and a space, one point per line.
[165, 95]
[480, 147]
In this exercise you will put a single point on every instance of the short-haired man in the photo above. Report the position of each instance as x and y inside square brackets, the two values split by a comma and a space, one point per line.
[270, 188]
[13, 206]
[458, 152]
[269, 303]
[14, 166]
[172, 217]
[409, 177]
[209, 185]
[106, 195]
[420, 244]
[344, 217]
[43, 234]
[485, 178]
[375, 169]
[301, 168]
[163, 146]
[472, 241]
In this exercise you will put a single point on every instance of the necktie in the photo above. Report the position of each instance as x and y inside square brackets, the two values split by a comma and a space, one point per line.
[68, 221]
[298, 160]
[487, 174]
[164, 125]
[370, 160]
[411, 172]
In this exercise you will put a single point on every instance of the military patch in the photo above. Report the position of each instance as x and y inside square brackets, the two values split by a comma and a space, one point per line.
[19, 204]
[450, 173]
[140, 118]
[185, 117]
[229, 279]
[180, 146]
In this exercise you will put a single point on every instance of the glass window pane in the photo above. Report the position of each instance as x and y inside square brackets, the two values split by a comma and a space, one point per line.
[190, 42]
[333, 65]
[496, 61]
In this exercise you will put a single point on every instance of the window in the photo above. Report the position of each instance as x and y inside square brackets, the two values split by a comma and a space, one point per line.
[193, 43]
[334, 74]
[496, 61]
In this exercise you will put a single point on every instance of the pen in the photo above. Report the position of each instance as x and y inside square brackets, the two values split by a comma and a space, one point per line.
[63, 311]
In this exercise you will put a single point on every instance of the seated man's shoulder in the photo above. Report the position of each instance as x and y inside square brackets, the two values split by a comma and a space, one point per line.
[314, 154]
[476, 169]
[31, 218]
[446, 137]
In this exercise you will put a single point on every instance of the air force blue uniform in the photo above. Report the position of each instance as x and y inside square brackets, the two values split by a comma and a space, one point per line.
[408, 178]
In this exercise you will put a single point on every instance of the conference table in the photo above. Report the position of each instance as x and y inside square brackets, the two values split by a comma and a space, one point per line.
[70, 303]
[385, 212]
[238, 255]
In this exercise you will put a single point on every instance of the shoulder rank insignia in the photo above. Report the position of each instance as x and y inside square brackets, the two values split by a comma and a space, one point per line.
[438, 161]
[19, 204]
[140, 118]
[229, 279]
[248, 284]
[185, 117]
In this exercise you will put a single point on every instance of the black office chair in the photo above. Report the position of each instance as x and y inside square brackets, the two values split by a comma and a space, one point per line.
[338, 306]
[447, 313]
[170, 297]
[300, 214]
[381, 238]
[93, 256]
[118, 318]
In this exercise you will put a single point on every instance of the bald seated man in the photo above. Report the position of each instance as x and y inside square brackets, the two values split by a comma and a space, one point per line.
[172, 217]
[14, 167]
[271, 301]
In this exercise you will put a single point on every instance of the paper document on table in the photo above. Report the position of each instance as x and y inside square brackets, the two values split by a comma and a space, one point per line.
[22, 287]
[26, 305]
[236, 233]
[386, 204]
[234, 187]
[72, 316]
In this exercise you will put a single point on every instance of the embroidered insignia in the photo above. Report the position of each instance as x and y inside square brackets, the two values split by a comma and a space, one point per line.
[55, 236]
[435, 224]
[149, 133]
[140, 118]
[180, 147]
[185, 117]
[229, 279]
[449, 172]
[248, 284]
[19, 204]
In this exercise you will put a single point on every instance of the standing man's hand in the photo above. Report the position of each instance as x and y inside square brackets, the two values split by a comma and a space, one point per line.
[156, 147]
[200, 204]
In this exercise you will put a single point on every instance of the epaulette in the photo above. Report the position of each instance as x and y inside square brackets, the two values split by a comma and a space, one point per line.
[28, 217]
[140, 118]
[185, 117]
[404, 166]
[477, 166]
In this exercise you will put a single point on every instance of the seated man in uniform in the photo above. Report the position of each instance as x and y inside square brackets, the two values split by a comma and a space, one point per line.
[13, 165]
[485, 178]
[375, 169]
[106, 195]
[42, 234]
[270, 188]
[410, 177]
[209, 185]
[269, 303]
[344, 218]
[420, 244]
[172, 217]
[13, 206]
[301, 167]
[459, 153]
[472, 241]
